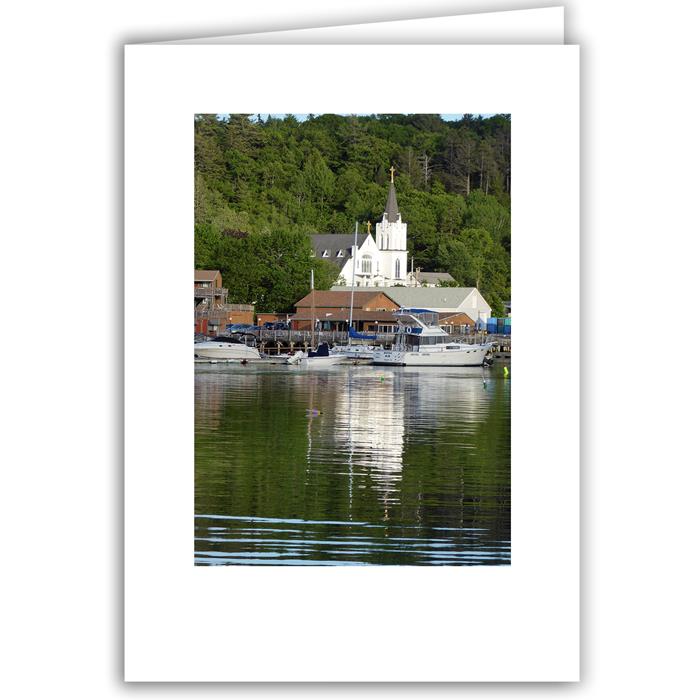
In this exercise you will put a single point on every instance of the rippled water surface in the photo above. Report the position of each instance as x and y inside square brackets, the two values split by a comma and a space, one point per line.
[351, 465]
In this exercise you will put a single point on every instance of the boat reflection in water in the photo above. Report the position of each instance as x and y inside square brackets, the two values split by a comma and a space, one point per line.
[356, 465]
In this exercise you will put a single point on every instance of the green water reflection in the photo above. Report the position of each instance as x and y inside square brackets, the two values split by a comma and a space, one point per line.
[351, 465]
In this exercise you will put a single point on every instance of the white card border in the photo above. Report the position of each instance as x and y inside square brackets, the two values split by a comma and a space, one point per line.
[189, 623]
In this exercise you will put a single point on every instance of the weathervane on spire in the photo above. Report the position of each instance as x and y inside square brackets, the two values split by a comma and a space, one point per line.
[391, 170]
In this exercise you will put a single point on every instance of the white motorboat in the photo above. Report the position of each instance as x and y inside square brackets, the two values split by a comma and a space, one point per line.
[420, 342]
[225, 347]
[321, 362]
[321, 357]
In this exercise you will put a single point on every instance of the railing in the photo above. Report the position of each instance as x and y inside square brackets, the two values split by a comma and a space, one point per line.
[220, 310]
[206, 292]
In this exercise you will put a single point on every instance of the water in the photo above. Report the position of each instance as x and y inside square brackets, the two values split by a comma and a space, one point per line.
[351, 465]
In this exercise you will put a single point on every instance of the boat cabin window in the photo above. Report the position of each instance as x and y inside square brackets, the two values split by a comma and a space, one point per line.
[228, 339]
[414, 341]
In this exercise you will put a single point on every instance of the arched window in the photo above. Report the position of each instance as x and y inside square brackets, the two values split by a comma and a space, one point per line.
[398, 269]
[366, 264]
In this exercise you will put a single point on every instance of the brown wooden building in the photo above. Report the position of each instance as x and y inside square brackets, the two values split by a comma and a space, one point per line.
[456, 322]
[372, 311]
[212, 313]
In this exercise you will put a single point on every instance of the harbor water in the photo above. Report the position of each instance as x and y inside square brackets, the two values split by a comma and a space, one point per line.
[351, 465]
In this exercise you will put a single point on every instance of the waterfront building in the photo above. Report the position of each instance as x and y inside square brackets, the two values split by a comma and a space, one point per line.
[212, 313]
[371, 311]
[444, 300]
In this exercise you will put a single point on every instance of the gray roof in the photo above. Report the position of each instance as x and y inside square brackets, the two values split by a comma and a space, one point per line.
[434, 277]
[425, 297]
[333, 242]
[392, 208]
[429, 297]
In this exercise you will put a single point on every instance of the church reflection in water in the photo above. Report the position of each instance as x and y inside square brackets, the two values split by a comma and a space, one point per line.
[373, 416]
[369, 414]
[352, 464]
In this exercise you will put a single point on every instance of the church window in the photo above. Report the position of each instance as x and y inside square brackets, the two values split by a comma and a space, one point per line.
[398, 269]
[367, 264]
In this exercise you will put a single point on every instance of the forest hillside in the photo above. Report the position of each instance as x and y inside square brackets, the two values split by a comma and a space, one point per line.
[263, 184]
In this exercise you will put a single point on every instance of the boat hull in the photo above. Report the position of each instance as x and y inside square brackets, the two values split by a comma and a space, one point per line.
[321, 362]
[465, 356]
[355, 352]
[225, 351]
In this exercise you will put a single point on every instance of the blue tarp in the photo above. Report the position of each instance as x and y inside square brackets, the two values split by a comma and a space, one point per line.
[415, 311]
[363, 336]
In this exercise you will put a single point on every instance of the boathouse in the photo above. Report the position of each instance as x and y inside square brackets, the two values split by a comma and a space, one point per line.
[371, 311]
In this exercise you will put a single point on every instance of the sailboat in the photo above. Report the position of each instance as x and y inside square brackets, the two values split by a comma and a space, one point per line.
[321, 357]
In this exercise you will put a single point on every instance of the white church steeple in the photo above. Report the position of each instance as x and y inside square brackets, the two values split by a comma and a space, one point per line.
[390, 234]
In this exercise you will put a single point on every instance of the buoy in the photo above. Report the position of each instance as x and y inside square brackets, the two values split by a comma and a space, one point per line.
[505, 372]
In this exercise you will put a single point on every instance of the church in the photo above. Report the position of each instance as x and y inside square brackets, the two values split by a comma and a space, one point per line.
[379, 261]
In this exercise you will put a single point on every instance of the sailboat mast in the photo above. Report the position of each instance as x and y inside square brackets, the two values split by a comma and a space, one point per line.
[313, 309]
[352, 288]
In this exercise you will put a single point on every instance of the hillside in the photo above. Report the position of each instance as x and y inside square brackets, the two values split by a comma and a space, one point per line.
[263, 185]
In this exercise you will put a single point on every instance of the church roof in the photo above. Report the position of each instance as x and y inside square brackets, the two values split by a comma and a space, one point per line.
[392, 208]
[329, 245]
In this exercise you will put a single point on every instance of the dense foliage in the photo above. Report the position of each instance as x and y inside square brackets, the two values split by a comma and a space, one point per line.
[263, 185]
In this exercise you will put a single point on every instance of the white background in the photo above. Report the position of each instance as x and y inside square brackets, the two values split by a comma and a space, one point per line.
[61, 178]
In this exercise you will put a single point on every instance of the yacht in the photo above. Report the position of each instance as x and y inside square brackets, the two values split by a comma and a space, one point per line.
[420, 342]
[225, 347]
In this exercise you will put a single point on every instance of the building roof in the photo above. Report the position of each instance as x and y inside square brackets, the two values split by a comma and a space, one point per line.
[333, 299]
[424, 297]
[429, 297]
[335, 242]
[343, 314]
[434, 277]
[392, 209]
[455, 317]
[205, 275]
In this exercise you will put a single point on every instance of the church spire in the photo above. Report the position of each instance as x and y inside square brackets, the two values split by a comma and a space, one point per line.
[392, 209]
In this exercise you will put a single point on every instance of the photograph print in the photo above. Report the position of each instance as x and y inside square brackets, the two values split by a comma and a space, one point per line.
[352, 339]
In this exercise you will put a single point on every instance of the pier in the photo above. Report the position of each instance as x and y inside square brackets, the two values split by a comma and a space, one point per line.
[287, 342]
